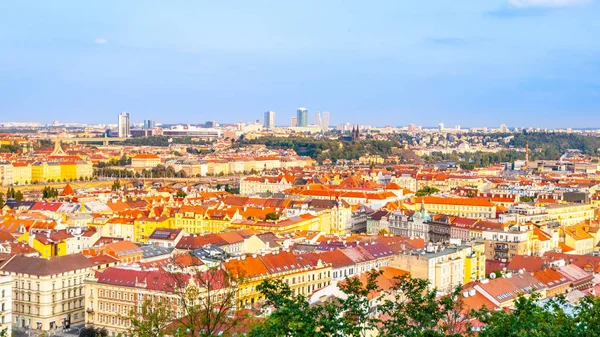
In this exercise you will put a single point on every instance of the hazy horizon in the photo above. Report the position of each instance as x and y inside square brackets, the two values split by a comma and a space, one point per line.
[471, 63]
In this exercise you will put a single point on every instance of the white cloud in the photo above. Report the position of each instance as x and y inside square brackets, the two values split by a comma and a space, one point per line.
[547, 3]
[100, 40]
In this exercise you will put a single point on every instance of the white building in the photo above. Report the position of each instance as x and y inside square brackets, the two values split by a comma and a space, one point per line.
[6, 284]
[124, 125]
[269, 122]
[6, 173]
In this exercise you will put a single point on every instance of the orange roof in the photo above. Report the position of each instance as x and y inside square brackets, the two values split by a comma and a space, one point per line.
[68, 190]
[146, 156]
[454, 201]
[246, 267]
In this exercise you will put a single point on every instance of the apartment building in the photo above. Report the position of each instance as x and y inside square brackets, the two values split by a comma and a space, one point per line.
[6, 320]
[47, 293]
[303, 273]
[445, 267]
[6, 173]
[264, 184]
[464, 207]
[113, 294]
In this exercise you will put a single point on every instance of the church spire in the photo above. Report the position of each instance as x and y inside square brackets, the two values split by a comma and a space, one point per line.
[58, 151]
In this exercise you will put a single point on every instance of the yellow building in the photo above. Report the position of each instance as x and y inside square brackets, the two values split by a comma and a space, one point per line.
[68, 171]
[53, 171]
[84, 169]
[39, 172]
[21, 173]
[463, 207]
[201, 219]
[475, 263]
[303, 275]
[48, 244]
[144, 227]
[570, 214]
[218, 167]
[579, 239]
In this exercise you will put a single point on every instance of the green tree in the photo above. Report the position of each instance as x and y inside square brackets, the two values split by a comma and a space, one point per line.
[152, 319]
[349, 315]
[427, 190]
[180, 194]
[116, 185]
[272, 216]
[415, 310]
[93, 332]
[18, 196]
[531, 319]
[1, 200]
[526, 198]
[292, 315]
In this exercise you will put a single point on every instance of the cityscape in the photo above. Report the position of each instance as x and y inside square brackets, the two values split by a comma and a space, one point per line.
[293, 170]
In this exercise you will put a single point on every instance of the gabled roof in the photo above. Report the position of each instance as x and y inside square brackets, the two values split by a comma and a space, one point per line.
[44, 267]
[336, 258]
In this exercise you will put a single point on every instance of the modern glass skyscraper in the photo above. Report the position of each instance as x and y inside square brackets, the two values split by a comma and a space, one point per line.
[302, 117]
[124, 125]
[269, 122]
[149, 124]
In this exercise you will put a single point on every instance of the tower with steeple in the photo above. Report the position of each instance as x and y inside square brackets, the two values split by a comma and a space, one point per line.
[58, 151]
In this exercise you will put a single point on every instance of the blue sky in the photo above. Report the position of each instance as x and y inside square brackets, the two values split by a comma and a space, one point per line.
[467, 62]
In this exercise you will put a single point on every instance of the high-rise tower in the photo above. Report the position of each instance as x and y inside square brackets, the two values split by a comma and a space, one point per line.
[124, 125]
[302, 117]
[269, 122]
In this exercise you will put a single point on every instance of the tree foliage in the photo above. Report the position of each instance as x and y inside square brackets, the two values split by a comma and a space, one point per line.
[412, 309]
[425, 191]
[150, 320]
[326, 149]
[49, 192]
[204, 307]
[525, 198]
[93, 332]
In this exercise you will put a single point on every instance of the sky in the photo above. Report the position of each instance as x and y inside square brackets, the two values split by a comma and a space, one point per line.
[468, 62]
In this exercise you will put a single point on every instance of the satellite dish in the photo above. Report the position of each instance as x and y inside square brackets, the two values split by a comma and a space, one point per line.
[492, 276]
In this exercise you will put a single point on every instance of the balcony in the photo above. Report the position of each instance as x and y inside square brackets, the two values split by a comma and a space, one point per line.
[89, 310]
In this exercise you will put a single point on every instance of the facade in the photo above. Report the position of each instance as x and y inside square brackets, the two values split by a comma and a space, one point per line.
[115, 292]
[264, 184]
[415, 226]
[6, 173]
[21, 173]
[149, 124]
[269, 122]
[302, 117]
[463, 207]
[145, 161]
[124, 125]
[446, 267]
[6, 286]
[47, 293]
[303, 273]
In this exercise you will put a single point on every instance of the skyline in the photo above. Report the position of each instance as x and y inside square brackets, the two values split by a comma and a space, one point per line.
[518, 62]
